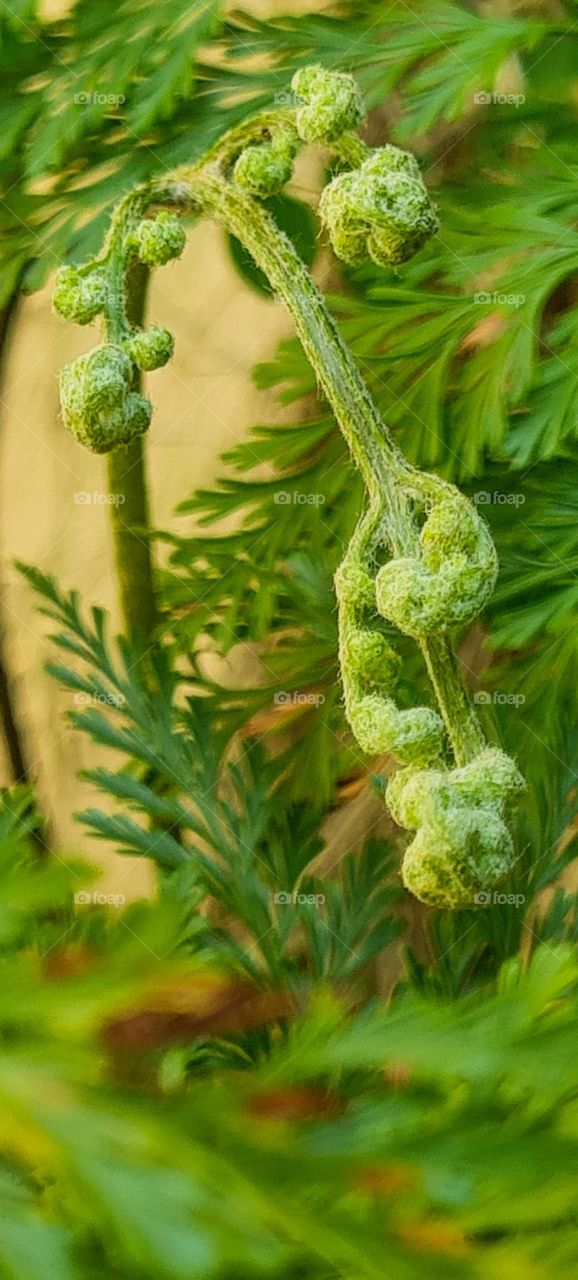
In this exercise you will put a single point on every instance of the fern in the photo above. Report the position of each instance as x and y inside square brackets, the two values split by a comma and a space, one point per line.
[222, 824]
[222, 1082]
[307, 1154]
[481, 389]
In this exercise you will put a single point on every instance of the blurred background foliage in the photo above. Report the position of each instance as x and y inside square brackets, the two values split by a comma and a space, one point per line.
[277, 1064]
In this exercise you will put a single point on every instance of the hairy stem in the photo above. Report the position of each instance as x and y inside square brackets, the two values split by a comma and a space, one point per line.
[382, 465]
[127, 486]
[458, 714]
[378, 458]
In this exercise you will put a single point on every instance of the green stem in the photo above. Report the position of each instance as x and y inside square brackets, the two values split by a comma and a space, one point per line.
[389, 478]
[378, 458]
[130, 520]
[458, 714]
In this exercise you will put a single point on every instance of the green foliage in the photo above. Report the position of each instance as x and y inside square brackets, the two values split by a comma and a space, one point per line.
[469, 351]
[215, 1083]
[215, 821]
[152, 1123]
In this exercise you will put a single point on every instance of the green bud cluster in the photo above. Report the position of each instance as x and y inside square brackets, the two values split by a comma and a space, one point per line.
[157, 240]
[450, 582]
[99, 398]
[332, 103]
[370, 669]
[462, 844]
[381, 210]
[99, 405]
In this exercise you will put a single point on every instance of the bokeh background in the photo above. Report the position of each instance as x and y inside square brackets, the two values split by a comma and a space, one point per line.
[204, 401]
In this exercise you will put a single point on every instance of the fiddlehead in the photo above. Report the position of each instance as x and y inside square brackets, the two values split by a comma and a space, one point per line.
[381, 210]
[264, 170]
[331, 103]
[440, 564]
[99, 402]
[449, 580]
[370, 668]
[462, 843]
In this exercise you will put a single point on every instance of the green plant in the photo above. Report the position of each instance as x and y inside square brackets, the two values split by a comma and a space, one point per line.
[440, 575]
[468, 352]
[249, 1075]
[168, 1107]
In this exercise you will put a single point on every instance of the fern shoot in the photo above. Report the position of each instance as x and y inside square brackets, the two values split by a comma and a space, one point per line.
[454, 791]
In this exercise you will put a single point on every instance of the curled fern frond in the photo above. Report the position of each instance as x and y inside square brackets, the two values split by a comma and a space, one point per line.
[421, 556]
[381, 210]
[100, 404]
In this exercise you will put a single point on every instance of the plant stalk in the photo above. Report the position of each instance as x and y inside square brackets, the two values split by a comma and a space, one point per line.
[127, 485]
[389, 478]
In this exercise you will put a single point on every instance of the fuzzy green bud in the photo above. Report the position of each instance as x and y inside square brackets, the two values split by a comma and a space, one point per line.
[265, 169]
[381, 210]
[462, 845]
[98, 404]
[369, 658]
[150, 348]
[354, 586]
[157, 240]
[450, 582]
[332, 104]
[412, 736]
[78, 297]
